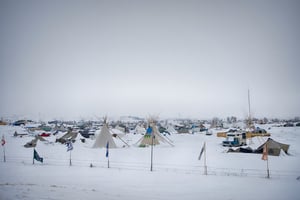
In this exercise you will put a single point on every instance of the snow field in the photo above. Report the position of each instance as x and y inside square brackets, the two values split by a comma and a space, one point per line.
[177, 172]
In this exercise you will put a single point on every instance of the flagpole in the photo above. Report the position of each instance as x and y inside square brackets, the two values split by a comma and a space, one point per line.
[107, 153]
[3, 145]
[4, 159]
[151, 167]
[70, 159]
[33, 156]
[268, 171]
[205, 167]
[107, 162]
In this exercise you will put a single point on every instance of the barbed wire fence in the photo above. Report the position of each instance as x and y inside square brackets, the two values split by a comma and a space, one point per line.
[159, 167]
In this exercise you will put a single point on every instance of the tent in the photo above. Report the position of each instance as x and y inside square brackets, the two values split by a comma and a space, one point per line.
[171, 129]
[274, 147]
[33, 142]
[104, 137]
[152, 136]
[69, 136]
[139, 129]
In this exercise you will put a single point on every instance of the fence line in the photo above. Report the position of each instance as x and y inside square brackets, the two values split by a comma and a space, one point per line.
[176, 168]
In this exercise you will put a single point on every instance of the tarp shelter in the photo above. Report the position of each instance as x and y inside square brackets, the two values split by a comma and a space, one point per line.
[69, 136]
[273, 147]
[33, 142]
[104, 137]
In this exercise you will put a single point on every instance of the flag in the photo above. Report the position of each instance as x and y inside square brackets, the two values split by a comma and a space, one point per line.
[202, 150]
[265, 153]
[149, 131]
[3, 141]
[107, 147]
[69, 146]
[37, 157]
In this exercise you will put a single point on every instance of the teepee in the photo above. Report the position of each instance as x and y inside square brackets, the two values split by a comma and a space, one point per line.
[104, 137]
[152, 136]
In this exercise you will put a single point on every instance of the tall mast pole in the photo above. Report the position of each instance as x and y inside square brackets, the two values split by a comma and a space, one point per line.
[249, 111]
[249, 103]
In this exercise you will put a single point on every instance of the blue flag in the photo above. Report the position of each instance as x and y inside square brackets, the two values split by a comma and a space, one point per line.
[69, 146]
[107, 147]
[202, 150]
[149, 131]
[37, 157]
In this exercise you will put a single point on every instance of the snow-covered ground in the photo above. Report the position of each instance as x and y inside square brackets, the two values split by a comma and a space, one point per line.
[177, 172]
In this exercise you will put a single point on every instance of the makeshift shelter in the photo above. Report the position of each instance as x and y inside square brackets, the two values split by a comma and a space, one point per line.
[33, 142]
[104, 137]
[171, 129]
[2, 123]
[273, 147]
[152, 136]
[69, 136]
[139, 129]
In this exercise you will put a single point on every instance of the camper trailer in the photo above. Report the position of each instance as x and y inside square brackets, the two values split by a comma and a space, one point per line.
[235, 139]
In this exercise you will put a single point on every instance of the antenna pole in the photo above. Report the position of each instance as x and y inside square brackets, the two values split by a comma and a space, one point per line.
[249, 103]
[249, 111]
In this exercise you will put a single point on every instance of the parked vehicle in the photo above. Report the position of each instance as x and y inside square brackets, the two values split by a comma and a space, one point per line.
[235, 140]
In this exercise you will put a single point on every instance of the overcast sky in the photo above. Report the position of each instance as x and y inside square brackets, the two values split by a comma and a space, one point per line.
[81, 59]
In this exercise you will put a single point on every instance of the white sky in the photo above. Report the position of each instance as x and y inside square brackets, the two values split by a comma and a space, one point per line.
[72, 59]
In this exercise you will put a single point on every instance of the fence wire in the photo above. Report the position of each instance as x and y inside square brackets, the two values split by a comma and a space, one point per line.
[160, 167]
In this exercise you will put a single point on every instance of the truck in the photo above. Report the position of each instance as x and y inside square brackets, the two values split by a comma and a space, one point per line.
[235, 140]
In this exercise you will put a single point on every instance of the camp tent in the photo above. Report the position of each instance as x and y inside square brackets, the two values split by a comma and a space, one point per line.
[273, 147]
[139, 129]
[69, 136]
[171, 129]
[33, 142]
[148, 140]
[104, 137]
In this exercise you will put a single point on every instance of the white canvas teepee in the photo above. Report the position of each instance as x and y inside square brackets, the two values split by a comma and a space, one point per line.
[104, 137]
[152, 136]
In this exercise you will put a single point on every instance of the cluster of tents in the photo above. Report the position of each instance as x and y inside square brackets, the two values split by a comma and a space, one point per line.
[152, 137]
[273, 147]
